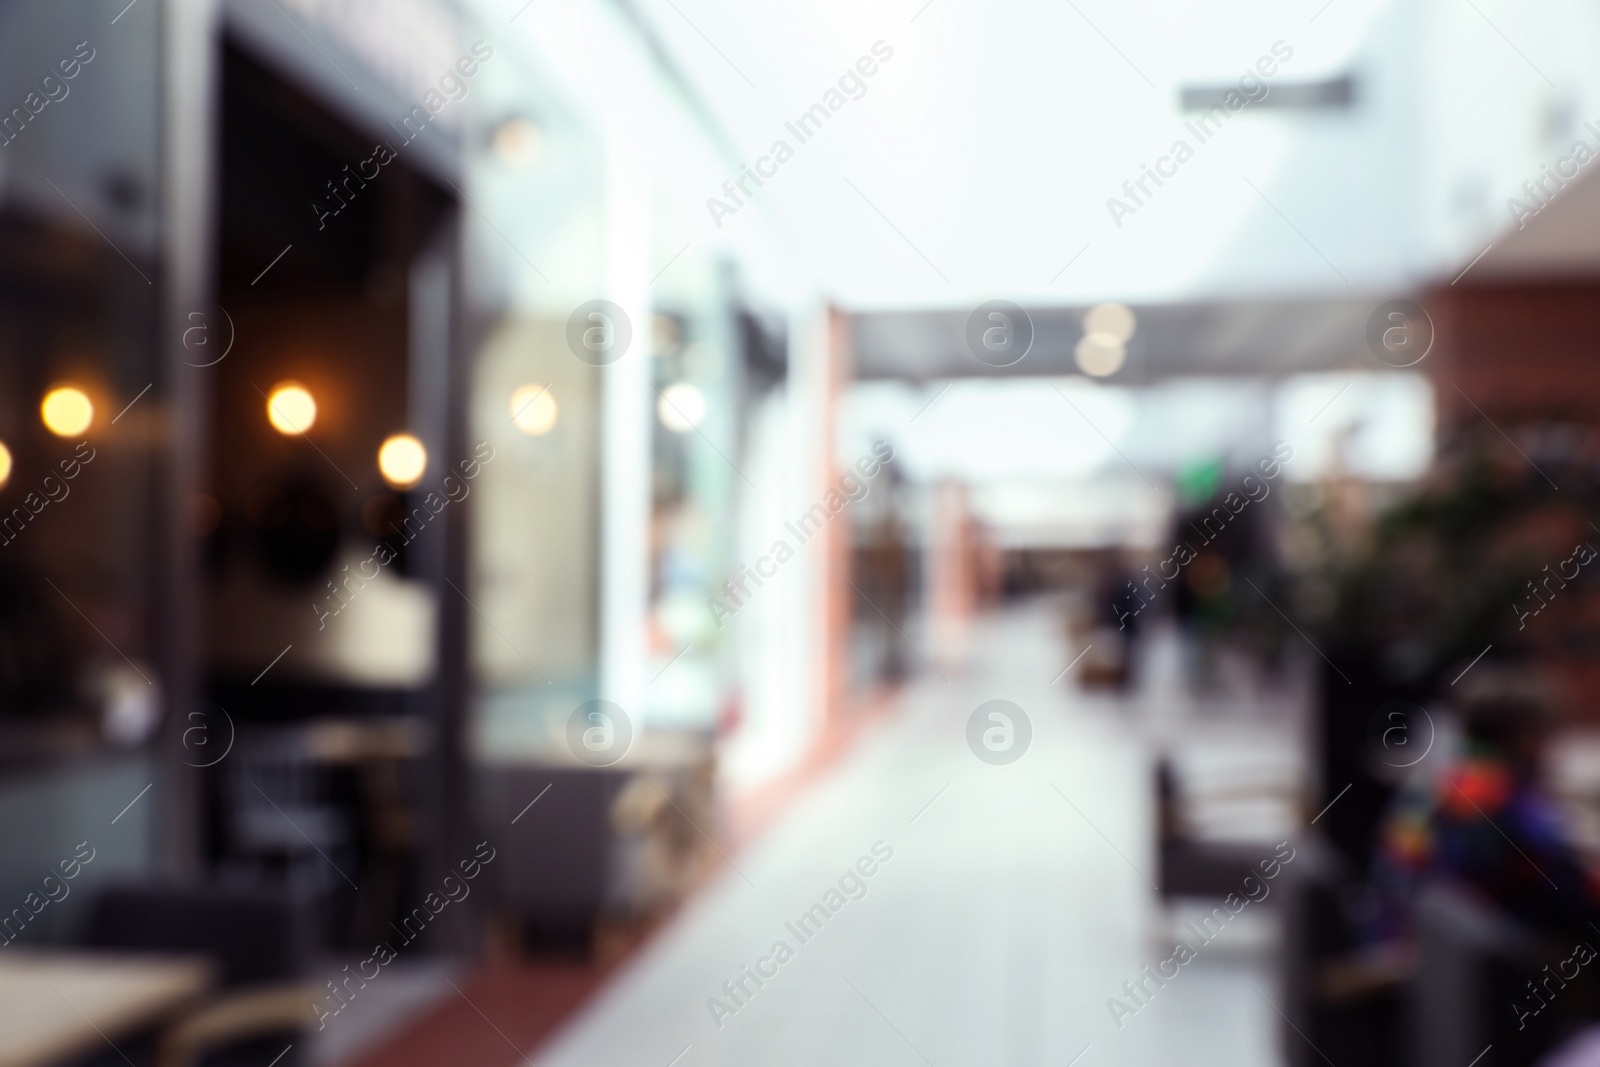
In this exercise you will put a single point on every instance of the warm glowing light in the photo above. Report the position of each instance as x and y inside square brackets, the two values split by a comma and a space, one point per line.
[291, 408]
[681, 407]
[5, 464]
[1115, 320]
[533, 410]
[1100, 355]
[402, 461]
[67, 411]
[518, 143]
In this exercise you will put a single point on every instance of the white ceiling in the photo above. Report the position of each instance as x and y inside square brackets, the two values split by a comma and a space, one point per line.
[980, 159]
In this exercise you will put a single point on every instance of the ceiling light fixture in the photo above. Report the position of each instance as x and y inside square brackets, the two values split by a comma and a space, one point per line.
[291, 408]
[533, 410]
[1115, 320]
[402, 461]
[1100, 355]
[682, 407]
[67, 411]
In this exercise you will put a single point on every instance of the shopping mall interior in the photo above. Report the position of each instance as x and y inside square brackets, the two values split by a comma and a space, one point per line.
[525, 541]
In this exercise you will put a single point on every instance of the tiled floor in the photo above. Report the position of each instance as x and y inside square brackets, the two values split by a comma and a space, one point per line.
[1014, 906]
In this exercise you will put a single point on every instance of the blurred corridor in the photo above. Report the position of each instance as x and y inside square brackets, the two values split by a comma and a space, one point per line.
[1017, 900]
[682, 532]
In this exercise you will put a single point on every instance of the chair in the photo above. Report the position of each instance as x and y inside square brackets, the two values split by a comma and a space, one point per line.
[254, 940]
[280, 814]
[1341, 1001]
[1472, 963]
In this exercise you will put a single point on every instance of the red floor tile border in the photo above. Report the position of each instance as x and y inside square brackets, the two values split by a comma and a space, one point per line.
[501, 1015]
[504, 1011]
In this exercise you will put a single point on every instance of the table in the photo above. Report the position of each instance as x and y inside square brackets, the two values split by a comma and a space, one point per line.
[53, 1003]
